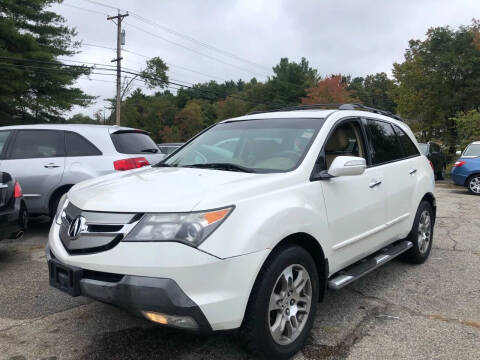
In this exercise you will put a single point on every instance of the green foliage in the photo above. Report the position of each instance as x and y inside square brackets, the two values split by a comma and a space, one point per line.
[468, 127]
[178, 117]
[155, 74]
[81, 119]
[41, 90]
[374, 90]
[230, 108]
[439, 78]
[288, 85]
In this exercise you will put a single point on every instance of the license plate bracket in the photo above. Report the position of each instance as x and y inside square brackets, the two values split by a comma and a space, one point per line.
[64, 277]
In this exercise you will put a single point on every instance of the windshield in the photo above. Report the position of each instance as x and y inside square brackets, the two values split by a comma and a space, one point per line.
[423, 148]
[472, 150]
[266, 145]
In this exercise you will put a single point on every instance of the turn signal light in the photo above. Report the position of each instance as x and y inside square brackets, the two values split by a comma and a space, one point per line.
[17, 191]
[185, 322]
[459, 163]
[129, 164]
[431, 165]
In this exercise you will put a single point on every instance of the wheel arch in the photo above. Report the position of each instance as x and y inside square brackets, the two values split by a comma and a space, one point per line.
[430, 198]
[313, 247]
[56, 194]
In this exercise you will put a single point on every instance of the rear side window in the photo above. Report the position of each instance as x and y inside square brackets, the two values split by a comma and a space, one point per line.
[384, 143]
[409, 148]
[77, 145]
[435, 148]
[30, 144]
[130, 142]
[3, 139]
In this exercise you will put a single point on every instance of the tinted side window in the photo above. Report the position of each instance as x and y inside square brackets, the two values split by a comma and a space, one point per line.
[385, 146]
[131, 142]
[435, 148]
[30, 144]
[409, 148]
[77, 145]
[3, 139]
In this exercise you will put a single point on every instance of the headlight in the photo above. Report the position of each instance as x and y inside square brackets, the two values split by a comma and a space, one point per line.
[188, 228]
[60, 214]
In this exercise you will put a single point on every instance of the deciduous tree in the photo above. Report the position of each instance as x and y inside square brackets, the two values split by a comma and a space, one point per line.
[331, 90]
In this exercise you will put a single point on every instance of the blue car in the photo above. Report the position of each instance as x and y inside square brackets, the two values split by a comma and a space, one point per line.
[466, 171]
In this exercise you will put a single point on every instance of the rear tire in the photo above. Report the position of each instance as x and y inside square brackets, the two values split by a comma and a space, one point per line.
[421, 235]
[282, 305]
[473, 184]
[23, 218]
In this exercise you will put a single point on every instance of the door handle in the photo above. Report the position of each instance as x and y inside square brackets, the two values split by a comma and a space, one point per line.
[51, 166]
[412, 171]
[374, 183]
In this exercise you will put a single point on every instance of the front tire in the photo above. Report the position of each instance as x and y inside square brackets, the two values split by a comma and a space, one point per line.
[421, 235]
[473, 184]
[282, 305]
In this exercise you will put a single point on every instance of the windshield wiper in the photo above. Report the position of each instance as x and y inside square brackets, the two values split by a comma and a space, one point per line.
[161, 164]
[152, 150]
[222, 166]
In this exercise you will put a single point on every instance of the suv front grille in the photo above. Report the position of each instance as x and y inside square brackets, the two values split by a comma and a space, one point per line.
[95, 231]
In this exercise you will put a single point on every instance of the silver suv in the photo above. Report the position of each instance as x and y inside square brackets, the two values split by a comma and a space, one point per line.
[47, 160]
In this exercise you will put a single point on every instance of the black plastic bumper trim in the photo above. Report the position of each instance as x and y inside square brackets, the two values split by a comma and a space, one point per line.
[139, 293]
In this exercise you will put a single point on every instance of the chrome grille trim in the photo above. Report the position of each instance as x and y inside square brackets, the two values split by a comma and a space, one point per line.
[117, 226]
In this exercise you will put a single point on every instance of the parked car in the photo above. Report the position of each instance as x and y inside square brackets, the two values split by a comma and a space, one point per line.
[48, 160]
[13, 211]
[434, 153]
[168, 148]
[466, 171]
[250, 236]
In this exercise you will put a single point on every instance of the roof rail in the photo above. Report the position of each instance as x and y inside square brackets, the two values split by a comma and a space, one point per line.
[371, 109]
[355, 106]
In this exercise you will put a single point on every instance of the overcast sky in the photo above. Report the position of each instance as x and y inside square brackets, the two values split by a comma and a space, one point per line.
[356, 37]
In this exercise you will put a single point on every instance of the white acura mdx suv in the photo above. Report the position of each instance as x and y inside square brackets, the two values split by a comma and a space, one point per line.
[249, 223]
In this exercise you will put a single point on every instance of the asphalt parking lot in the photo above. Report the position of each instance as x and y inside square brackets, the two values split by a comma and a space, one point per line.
[430, 311]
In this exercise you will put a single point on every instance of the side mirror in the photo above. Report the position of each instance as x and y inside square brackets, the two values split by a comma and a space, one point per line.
[347, 166]
[458, 153]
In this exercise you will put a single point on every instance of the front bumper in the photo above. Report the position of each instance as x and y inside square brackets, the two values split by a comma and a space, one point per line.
[218, 288]
[136, 294]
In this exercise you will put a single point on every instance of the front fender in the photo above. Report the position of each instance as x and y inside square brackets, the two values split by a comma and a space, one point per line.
[262, 222]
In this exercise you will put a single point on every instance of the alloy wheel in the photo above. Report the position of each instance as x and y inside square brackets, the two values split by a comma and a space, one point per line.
[424, 231]
[290, 304]
[474, 185]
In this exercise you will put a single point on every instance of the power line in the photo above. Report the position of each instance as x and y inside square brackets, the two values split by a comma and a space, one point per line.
[202, 43]
[149, 57]
[85, 9]
[104, 5]
[144, 76]
[183, 36]
[192, 50]
[178, 66]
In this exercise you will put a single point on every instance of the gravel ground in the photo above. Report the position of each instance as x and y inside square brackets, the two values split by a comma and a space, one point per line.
[400, 311]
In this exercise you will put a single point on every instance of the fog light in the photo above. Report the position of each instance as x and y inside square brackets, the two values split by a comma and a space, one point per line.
[185, 322]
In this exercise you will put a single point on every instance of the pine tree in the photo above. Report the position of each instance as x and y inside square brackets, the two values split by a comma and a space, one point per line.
[34, 85]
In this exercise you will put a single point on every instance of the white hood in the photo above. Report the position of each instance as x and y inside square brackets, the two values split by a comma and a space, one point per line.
[155, 189]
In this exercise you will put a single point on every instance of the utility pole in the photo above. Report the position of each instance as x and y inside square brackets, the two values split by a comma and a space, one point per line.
[118, 60]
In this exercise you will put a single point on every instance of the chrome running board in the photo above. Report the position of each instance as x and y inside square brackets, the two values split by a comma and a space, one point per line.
[368, 264]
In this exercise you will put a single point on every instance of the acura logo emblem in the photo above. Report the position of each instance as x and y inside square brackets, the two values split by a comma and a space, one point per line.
[77, 226]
